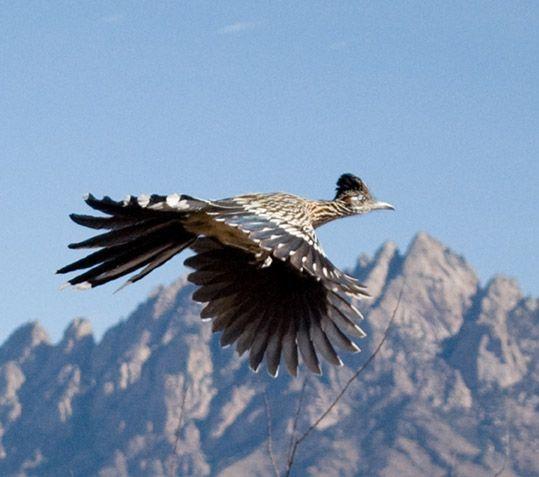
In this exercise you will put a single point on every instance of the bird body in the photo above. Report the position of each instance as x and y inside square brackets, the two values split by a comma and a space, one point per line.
[260, 271]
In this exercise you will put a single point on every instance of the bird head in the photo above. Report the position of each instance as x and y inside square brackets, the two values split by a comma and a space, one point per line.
[354, 193]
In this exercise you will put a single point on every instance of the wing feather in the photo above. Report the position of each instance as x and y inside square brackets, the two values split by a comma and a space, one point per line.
[320, 340]
[272, 311]
[233, 331]
[337, 336]
[202, 277]
[344, 324]
[207, 293]
[273, 353]
[218, 305]
[246, 339]
[288, 238]
[260, 343]
[225, 318]
[290, 348]
[306, 347]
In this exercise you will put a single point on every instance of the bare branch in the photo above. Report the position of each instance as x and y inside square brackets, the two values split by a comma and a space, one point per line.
[270, 437]
[298, 441]
[296, 419]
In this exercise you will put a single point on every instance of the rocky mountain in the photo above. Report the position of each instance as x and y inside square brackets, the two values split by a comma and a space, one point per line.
[454, 389]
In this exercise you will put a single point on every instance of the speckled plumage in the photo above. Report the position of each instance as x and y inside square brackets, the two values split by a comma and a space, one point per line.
[259, 267]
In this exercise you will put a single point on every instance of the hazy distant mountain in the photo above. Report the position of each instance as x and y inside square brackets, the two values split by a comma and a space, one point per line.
[454, 390]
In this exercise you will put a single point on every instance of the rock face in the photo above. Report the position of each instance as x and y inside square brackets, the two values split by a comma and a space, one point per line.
[453, 391]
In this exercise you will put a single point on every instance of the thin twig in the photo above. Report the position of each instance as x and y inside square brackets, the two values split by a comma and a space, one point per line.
[296, 418]
[344, 389]
[270, 437]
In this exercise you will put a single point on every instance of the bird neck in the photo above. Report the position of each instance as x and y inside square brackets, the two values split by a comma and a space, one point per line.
[324, 211]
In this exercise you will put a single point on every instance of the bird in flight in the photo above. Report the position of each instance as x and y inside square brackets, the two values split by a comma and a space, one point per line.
[266, 283]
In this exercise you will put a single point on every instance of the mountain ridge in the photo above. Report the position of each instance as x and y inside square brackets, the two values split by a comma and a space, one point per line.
[452, 391]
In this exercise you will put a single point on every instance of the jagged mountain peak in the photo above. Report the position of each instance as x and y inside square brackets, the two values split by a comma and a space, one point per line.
[439, 287]
[21, 343]
[426, 251]
[78, 329]
[503, 291]
[373, 272]
[31, 334]
[77, 336]
[423, 238]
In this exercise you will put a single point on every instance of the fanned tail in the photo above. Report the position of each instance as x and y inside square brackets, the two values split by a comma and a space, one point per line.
[143, 233]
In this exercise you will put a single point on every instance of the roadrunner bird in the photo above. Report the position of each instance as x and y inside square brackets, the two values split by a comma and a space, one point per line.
[266, 283]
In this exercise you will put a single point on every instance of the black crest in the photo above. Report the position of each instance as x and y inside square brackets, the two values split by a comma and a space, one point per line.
[349, 183]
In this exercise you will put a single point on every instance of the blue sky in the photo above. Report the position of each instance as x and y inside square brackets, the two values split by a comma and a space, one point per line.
[434, 104]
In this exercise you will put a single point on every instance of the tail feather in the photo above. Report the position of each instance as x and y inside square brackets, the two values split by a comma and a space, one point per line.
[93, 259]
[159, 260]
[122, 264]
[146, 205]
[121, 236]
[143, 232]
[109, 223]
[127, 208]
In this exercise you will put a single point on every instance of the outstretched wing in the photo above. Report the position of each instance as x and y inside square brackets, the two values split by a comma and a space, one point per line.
[271, 310]
[279, 224]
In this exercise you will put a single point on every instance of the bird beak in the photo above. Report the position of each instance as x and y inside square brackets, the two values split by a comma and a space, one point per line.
[383, 205]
